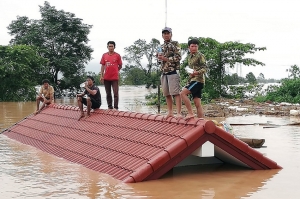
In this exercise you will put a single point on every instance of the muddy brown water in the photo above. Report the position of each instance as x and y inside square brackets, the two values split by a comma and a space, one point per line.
[26, 172]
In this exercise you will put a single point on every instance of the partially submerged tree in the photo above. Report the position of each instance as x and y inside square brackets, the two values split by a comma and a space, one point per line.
[60, 37]
[219, 55]
[142, 51]
[233, 79]
[251, 79]
[294, 72]
[132, 75]
[21, 68]
[261, 78]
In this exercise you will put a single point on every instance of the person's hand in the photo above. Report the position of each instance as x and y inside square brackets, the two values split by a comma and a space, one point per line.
[161, 57]
[102, 80]
[85, 84]
[195, 73]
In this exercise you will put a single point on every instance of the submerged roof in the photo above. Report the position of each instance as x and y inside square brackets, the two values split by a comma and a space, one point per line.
[129, 146]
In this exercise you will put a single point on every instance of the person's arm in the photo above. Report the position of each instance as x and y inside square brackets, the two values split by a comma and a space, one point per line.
[51, 94]
[120, 63]
[40, 92]
[102, 71]
[81, 94]
[92, 91]
[202, 66]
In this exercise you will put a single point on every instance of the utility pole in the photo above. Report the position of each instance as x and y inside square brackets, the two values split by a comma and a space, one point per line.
[158, 85]
[166, 13]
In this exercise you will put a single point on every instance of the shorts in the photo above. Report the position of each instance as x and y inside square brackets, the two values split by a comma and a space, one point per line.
[170, 84]
[95, 104]
[195, 88]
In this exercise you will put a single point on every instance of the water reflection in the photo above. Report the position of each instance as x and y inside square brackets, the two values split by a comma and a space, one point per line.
[29, 172]
[206, 182]
[12, 112]
[26, 172]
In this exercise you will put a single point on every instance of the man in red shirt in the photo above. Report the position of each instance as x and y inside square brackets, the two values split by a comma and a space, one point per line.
[111, 64]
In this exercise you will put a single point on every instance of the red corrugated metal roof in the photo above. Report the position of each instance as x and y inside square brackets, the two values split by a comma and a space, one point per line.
[129, 146]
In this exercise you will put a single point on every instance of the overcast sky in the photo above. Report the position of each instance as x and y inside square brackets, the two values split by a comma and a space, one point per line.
[274, 24]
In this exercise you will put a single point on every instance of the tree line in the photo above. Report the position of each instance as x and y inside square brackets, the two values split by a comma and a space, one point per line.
[58, 44]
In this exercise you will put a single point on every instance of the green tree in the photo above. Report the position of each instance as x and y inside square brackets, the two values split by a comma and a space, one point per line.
[60, 37]
[261, 78]
[294, 72]
[142, 51]
[132, 75]
[73, 82]
[251, 79]
[232, 79]
[218, 56]
[21, 68]
[288, 91]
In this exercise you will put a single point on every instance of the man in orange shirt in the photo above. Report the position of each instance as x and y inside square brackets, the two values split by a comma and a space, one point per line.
[111, 64]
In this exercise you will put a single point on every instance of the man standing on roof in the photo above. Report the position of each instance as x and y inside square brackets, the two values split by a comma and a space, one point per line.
[111, 64]
[93, 99]
[45, 95]
[197, 63]
[170, 63]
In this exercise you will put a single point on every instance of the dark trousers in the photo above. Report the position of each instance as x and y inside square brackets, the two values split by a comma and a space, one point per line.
[115, 86]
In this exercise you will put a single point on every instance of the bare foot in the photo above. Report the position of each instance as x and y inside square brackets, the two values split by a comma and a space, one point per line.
[36, 112]
[87, 116]
[189, 116]
[81, 116]
[178, 116]
[167, 116]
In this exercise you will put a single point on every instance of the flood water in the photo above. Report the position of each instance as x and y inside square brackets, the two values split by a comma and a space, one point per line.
[26, 172]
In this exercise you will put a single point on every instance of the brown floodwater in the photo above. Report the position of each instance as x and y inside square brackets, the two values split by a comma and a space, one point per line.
[27, 172]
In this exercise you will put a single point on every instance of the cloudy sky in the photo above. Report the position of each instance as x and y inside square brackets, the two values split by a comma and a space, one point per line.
[274, 24]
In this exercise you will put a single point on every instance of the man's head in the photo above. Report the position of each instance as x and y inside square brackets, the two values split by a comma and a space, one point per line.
[111, 45]
[167, 33]
[90, 80]
[45, 83]
[193, 45]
